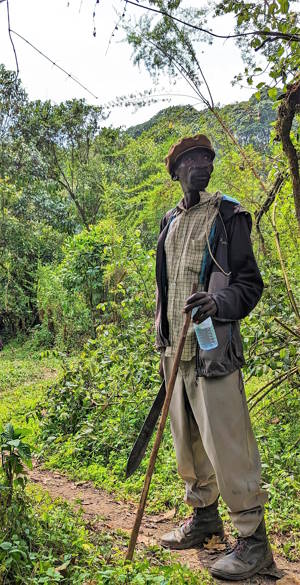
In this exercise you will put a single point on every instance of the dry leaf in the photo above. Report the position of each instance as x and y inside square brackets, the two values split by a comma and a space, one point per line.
[289, 579]
[62, 567]
[214, 543]
[275, 420]
[163, 517]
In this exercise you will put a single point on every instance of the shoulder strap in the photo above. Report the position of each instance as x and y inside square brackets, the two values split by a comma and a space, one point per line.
[209, 247]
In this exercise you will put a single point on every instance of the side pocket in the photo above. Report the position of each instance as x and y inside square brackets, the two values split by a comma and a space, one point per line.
[225, 358]
[218, 361]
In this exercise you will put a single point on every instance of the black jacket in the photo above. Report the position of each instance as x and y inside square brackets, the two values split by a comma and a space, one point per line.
[235, 294]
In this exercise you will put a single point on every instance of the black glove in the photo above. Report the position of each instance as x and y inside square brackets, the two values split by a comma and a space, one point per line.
[206, 304]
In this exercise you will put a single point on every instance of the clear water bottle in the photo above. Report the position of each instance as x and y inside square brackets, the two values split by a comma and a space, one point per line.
[205, 333]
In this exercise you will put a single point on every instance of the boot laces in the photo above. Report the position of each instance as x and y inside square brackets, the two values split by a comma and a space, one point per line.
[189, 521]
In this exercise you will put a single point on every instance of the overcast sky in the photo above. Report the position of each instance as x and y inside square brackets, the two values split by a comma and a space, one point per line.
[63, 30]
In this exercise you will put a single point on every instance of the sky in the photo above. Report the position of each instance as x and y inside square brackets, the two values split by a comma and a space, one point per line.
[63, 30]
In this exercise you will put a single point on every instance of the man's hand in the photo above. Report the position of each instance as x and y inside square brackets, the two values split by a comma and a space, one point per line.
[206, 304]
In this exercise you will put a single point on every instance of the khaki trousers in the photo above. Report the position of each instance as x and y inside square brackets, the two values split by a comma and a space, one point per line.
[215, 446]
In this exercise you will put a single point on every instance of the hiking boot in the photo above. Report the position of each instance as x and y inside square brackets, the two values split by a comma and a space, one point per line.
[203, 524]
[249, 556]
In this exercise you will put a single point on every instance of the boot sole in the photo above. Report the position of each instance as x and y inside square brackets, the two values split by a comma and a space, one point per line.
[196, 542]
[233, 577]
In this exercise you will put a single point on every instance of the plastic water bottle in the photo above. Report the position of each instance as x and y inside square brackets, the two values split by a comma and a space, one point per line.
[205, 333]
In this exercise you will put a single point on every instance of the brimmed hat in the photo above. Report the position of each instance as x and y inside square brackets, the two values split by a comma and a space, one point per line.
[189, 143]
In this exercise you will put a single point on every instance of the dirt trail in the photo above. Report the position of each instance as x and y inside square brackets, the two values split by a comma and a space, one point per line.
[111, 515]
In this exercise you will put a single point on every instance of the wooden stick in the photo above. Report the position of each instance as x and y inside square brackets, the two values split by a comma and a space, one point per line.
[277, 383]
[161, 426]
[287, 328]
[273, 381]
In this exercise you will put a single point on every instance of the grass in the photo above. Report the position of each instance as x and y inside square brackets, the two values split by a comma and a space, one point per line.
[24, 377]
[19, 367]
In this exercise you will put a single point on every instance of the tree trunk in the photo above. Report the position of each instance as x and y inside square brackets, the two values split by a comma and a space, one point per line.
[286, 113]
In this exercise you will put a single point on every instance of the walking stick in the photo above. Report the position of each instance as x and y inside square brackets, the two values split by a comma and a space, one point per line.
[160, 430]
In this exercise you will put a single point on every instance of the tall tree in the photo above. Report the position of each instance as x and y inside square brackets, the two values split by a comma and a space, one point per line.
[64, 134]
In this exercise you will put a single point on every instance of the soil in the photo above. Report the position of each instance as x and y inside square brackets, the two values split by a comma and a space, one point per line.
[103, 512]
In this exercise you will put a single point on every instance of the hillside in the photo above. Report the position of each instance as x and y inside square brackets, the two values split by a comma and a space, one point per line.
[250, 120]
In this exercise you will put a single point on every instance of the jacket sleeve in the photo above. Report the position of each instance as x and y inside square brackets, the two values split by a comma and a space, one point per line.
[245, 284]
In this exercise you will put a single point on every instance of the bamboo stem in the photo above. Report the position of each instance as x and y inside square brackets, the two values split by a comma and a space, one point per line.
[287, 328]
[273, 381]
[282, 397]
[277, 383]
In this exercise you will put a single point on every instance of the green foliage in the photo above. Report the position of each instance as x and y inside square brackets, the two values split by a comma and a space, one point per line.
[112, 379]
[65, 318]
[75, 296]
[115, 375]
[14, 453]
[64, 134]
[164, 44]
[281, 54]
[84, 262]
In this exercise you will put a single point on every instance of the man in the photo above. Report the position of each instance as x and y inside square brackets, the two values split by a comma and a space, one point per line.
[206, 240]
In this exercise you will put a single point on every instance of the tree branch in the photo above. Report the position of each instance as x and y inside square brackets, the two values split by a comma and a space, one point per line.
[277, 382]
[286, 113]
[53, 63]
[265, 33]
[287, 328]
[266, 206]
[10, 38]
[282, 397]
[66, 185]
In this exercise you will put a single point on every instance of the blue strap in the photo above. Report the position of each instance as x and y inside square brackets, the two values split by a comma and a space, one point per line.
[228, 198]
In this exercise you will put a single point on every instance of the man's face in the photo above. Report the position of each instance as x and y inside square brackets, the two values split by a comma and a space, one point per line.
[194, 169]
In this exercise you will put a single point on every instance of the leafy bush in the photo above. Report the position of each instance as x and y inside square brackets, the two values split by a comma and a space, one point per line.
[14, 452]
[65, 319]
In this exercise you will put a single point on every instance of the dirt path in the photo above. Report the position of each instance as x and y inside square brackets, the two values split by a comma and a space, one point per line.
[111, 515]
